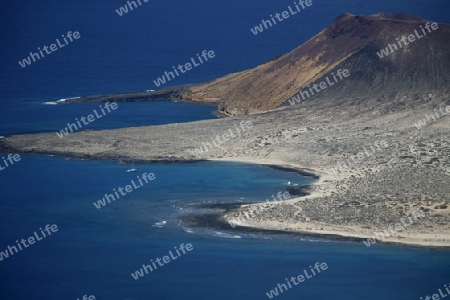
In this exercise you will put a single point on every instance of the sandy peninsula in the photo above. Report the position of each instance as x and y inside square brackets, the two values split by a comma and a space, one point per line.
[404, 168]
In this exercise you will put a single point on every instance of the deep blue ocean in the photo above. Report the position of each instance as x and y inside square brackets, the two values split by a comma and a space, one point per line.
[95, 251]
[21, 116]
[120, 54]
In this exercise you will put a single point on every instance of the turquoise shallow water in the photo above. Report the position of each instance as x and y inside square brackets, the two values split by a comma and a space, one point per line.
[95, 251]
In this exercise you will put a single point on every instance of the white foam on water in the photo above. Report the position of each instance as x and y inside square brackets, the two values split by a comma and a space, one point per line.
[226, 235]
[64, 99]
[160, 224]
[59, 101]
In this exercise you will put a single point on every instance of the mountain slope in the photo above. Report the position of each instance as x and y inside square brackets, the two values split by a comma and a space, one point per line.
[350, 42]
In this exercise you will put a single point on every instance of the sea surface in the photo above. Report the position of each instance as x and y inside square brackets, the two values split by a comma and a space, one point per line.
[95, 251]
[22, 116]
[123, 54]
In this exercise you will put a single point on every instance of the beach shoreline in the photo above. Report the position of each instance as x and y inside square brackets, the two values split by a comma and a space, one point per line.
[351, 234]
[357, 201]
[223, 220]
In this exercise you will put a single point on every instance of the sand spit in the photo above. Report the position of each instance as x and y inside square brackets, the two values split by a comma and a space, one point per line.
[367, 194]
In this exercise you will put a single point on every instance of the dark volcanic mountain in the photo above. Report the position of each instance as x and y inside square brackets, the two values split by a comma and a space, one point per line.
[351, 42]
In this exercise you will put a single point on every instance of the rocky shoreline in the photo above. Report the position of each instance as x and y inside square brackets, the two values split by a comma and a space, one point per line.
[167, 94]
[366, 196]
[215, 221]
